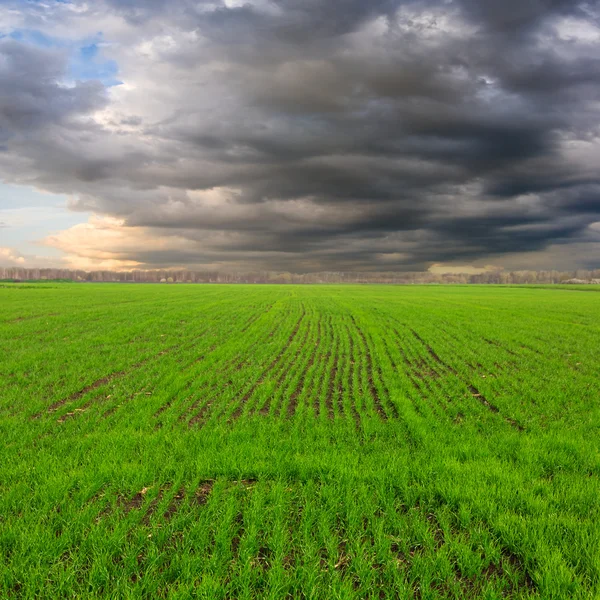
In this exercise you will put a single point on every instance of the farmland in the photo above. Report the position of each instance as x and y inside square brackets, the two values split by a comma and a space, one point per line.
[314, 442]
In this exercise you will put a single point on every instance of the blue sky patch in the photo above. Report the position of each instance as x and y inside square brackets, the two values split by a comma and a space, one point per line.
[86, 61]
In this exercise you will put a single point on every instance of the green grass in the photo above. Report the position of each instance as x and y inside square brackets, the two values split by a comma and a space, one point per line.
[299, 441]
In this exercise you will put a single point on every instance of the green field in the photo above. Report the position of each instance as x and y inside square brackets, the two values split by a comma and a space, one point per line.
[299, 442]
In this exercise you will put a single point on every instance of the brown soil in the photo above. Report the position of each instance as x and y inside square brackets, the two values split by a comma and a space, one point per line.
[174, 504]
[203, 491]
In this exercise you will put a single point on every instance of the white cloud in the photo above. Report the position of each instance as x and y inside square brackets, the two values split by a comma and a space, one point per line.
[106, 243]
[9, 257]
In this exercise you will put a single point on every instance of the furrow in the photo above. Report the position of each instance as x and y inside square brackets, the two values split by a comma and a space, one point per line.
[418, 383]
[369, 363]
[352, 373]
[287, 374]
[246, 397]
[472, 389]
[332, 376]
[304, 380]
[201, 417]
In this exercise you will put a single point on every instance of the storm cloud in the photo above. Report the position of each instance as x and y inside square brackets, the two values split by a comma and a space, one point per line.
[312, 134]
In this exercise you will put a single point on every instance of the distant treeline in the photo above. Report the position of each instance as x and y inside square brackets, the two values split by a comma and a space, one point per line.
[183, 276]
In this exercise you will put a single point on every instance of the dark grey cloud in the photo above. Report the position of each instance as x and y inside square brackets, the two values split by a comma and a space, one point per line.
[322, 134]
[32, 96]
[516, 17]
[292, 22]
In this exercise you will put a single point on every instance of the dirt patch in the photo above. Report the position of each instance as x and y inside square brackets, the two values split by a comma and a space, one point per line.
[477, 394]
[248, 484]
[200, 417]
[164, 407]
[184, 415]
[514, 423]
[517, 564]
[238, 526]
[154, 504]
[343, 558]
[203, 491]
[392, 407]
[293, 402]
[263, 559]
[174, 504]
[70, 415]
[422, 370]
[436, 530]
[136, 502]
[238, 411]
[88, 388]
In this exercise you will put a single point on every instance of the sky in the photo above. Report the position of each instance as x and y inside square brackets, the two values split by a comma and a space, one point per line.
[300, 135]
